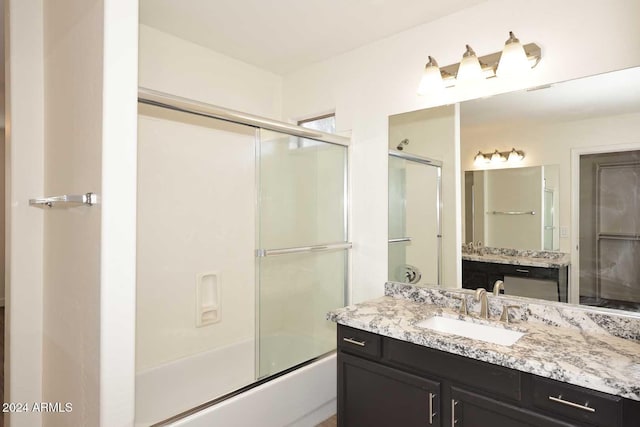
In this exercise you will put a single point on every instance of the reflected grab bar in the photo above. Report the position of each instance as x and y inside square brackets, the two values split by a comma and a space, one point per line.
[512, 212]
[303, 249]
[400, 240]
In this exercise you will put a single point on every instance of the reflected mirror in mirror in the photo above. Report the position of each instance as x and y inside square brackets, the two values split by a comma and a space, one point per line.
[514, 208]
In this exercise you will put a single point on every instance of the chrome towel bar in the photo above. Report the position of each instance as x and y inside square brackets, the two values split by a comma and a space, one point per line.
[302, 249]
[66, 201]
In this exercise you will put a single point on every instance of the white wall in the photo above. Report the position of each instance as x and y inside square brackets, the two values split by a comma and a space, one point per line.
[118, 233]
[368, 84]
[24, 224]
[73, 129]
[178, 67]
[551, 144]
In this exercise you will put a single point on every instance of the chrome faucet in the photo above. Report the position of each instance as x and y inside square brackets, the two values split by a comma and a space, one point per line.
[481, 295]
[497, 286]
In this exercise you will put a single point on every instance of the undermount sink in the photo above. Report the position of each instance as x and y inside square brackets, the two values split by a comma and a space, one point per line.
[476, 331]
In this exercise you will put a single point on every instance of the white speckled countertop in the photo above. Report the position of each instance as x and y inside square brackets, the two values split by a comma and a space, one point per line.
[586, 357]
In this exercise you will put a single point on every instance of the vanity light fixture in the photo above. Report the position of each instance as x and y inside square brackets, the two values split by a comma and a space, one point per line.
[512, 156]
[507, 64]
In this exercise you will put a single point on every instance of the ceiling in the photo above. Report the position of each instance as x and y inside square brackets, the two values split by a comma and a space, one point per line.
[285, 35]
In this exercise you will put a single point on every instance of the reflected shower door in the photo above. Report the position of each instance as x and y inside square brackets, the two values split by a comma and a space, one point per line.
[414, 222]
[302, 260]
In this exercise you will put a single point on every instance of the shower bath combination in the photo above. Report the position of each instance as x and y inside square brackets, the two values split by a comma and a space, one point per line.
[233, 281]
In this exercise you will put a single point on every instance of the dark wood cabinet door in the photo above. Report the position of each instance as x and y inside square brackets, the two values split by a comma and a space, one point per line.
[373, 395]
[469, 409]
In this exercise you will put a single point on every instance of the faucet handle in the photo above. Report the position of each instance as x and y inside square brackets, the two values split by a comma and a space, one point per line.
[463, 304]
[504, 317]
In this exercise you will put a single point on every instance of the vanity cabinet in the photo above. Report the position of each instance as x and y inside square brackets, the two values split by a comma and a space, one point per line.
[388, 382]
[376, 395]
[481, 274]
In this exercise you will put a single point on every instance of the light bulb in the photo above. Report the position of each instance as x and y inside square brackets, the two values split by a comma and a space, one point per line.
[431, 82]
[480, 159]
[513, 61]
[469, 70]
[497, 157]
[515, 156]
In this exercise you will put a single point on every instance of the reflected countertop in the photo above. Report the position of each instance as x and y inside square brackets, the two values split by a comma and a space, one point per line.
[556, 347]
[545, 259]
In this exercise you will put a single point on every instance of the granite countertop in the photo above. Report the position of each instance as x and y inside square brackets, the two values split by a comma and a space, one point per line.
[520, 257]
[600, 362]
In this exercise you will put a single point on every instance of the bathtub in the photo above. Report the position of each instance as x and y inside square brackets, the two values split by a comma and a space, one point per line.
[301, 398]
[175, 387]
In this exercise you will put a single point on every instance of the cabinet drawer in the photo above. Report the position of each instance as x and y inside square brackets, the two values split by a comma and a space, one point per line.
[526, 271]
[577, 403]
[358, 341]
[498, 380]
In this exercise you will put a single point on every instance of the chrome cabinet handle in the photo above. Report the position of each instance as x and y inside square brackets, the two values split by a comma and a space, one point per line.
[521, 270]
[431, 413]
[584, 407]
[453, 412]
[356, 342]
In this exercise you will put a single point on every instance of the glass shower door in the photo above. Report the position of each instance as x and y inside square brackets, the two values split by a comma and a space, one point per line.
[302, 260]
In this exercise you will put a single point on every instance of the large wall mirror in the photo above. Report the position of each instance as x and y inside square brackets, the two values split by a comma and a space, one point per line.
[576, 191]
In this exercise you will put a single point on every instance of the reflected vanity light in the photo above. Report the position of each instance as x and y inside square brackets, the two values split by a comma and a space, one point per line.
[496, 157]
[515, 156]
[480, 159]
[514, 61]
